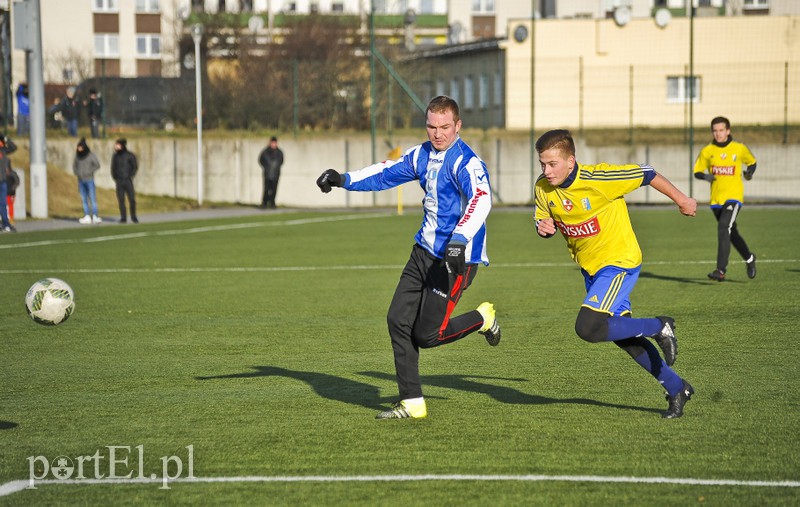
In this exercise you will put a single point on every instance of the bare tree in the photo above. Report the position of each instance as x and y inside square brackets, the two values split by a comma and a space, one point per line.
[70, 67]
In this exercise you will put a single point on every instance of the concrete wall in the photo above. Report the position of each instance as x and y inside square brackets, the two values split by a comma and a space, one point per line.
[232, 175]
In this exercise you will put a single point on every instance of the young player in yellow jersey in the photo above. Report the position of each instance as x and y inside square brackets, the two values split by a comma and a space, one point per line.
[586, 204]
[720, 163]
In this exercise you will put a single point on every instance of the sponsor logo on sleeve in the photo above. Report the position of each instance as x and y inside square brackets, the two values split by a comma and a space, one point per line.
[473, 203]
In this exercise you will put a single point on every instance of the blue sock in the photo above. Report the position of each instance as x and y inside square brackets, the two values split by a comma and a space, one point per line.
[620, 328]
[651, 361]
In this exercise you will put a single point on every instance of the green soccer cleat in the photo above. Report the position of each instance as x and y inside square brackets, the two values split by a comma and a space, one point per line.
[490, 329]
[405, 409]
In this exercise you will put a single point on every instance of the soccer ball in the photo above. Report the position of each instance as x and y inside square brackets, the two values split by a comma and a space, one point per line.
[50, 301]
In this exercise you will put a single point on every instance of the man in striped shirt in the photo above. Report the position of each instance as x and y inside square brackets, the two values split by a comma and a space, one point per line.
[586, 204]
[448, 247]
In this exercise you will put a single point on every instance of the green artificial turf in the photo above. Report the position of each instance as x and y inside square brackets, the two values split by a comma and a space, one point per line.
[260, 344]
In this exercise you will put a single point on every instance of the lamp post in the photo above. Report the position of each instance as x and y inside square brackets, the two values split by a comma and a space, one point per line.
[197, 36]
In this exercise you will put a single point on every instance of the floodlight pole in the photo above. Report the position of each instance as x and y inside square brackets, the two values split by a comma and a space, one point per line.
[197, 36]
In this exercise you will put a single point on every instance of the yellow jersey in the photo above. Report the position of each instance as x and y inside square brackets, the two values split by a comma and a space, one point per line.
[725, 163]
[590, 211]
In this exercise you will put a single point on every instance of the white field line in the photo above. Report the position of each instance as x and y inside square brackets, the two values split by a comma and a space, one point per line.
[274, 269]
[194, 230]
[20, 485]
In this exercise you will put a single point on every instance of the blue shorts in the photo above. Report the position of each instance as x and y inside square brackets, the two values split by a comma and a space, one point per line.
[609, 290]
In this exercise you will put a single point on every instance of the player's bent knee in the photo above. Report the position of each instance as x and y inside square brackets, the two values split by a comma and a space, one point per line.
[426, 340]
[592, 326]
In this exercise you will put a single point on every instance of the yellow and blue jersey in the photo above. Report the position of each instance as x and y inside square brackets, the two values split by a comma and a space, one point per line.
[725, 163]
[590, 211]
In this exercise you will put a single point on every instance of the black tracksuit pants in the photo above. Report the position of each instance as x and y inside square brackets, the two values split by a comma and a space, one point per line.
[728, 233]
[420, 314]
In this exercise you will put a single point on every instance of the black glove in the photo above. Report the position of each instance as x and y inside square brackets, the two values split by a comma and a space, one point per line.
[328, 179]
[748, 173]
[454, 258]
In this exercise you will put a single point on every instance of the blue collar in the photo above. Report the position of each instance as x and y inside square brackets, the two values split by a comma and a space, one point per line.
[574, 174]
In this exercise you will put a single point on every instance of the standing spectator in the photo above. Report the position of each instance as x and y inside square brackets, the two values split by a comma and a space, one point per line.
[5, 167]
[94, 109]
[271, 160]
[84, 166]
[55, 120]
[12, 178]
[70, 108]
[23, 110]
[123, 169]
[585, 203]
[447, 250]
[720, 163]
[12, 183]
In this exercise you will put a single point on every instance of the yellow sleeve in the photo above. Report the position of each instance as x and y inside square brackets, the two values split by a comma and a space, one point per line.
[541, 210]
[747, 157]
[701, 165]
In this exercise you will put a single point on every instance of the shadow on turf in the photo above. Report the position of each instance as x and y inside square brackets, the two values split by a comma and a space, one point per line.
[647, 274]
[702, 281]
[7, 425]
[503, 394]
[328, 386]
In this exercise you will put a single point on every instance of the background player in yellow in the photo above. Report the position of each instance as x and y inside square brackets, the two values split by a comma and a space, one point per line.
[720, 163]
[586, 204]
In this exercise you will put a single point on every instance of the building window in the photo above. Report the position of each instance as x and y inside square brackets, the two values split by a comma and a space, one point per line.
[469, 92]
[106, 6]
[498, 89]
[148, 46]
[147, 6]
[678, 89]
[454, 90]
[440, 88]
[426, 7]
[756, 4]
[106, 45]
[482, 6]
[483, 91]
[337, 7]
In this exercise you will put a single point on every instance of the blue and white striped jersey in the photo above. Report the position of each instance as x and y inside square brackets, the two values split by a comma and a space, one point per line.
[458, 196]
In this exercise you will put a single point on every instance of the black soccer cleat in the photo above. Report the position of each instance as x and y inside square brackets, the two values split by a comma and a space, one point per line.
[751, 266]
[666, 340]
[719, 275]
[677, 402]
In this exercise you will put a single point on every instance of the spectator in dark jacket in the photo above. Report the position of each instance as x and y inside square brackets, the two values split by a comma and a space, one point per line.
[123, 169]
[94, 108]
[5, 167]
[70, 108]
[271, 160]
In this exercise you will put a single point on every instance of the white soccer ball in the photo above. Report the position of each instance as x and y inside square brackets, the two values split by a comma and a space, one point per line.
[50, 301]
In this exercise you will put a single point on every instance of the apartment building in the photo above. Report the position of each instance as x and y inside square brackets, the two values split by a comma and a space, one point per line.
[114, 38]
